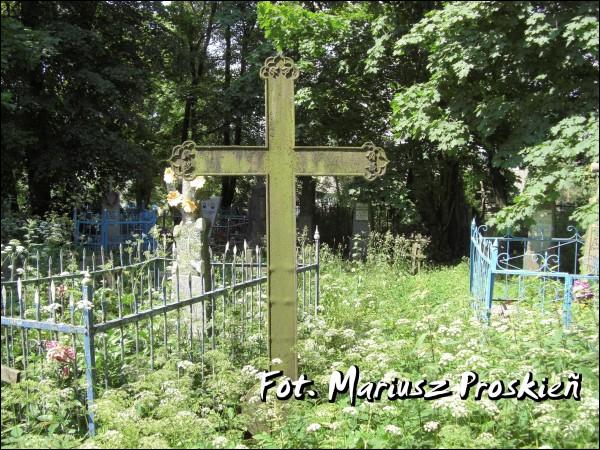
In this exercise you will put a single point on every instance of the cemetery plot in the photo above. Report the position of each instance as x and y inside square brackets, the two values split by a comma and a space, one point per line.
[126, 314]
[506, 269]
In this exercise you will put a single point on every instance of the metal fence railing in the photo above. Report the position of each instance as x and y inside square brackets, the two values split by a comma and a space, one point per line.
[513, 269]
[108, 229]
[128, 310]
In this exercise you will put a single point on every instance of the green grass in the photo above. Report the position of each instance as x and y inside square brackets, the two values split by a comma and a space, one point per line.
[389, 324]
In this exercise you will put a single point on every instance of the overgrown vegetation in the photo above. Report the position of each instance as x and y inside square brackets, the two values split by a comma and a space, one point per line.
[390, 324]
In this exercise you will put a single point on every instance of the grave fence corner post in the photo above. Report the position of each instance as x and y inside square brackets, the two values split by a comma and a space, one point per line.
[471, 254]
[89, 350]
[568, 299]
[490, 282]
[317, 238]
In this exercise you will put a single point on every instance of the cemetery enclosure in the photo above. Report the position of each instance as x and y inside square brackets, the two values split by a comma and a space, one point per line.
[512, 269]
[126, 314]
[111, 228]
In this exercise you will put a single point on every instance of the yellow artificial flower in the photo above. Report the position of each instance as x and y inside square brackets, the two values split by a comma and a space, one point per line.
[189, 206]
[169, 176]
[174, 198]
[198, 182]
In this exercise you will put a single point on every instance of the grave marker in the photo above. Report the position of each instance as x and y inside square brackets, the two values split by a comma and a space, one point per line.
[360, 231]
[111, 213]
[591, 253]
[280, 160]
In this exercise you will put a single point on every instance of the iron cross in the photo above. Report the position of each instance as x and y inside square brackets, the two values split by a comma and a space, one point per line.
[280, 160]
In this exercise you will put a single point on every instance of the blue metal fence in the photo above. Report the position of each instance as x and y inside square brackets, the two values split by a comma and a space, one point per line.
[126, 309]
[108, 229]
[508, 269]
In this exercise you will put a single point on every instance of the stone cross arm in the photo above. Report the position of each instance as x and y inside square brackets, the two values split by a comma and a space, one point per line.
[190, 159]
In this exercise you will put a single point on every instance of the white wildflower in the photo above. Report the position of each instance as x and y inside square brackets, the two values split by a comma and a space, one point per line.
[456, 406]
[52, 307]
[313, 427]
[349, 333]
[249, 370]
[219, 442]
[185, 364]
[393, 429]
[431, 426]
[351, 410]
[84, 304]
[489, 407]
[446, 358]
[333, 425]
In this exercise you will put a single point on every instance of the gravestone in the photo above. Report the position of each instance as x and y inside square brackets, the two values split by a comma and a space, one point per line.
[589, 261]
[280, 160]
[210, 208]
[111, 207]
[257, 213]
[540, 235]
[542, 230]
[360, 231]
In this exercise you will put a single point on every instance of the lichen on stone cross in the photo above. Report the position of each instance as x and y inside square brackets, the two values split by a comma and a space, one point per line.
[280, 160]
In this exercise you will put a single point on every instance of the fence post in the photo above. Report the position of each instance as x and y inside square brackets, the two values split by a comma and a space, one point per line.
[104, 228]
[317, 256]
[567, 301]
[413, 257]
[490, 282]
[76, 227]
[471, 255]
[89, 350]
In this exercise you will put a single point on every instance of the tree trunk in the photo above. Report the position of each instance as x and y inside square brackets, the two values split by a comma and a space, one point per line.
[39, 179]
[306, 201]
[441, 204]
[227, 183]
[197, 65]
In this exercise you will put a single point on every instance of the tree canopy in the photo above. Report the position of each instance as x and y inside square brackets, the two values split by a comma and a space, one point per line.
[94, 94]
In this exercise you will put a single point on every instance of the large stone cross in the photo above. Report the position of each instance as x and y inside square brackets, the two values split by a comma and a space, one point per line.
[280, 160]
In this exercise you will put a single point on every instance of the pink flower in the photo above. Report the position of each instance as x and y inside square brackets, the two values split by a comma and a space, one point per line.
[582, 290]
[61, 291]
[55, 351]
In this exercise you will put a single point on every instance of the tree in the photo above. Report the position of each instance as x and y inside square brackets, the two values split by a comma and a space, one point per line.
[349, 77]
[73, 97]
[509, 84]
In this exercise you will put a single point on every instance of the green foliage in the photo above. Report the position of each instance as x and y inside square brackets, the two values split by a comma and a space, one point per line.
[290, 21]
[514, 83]
[51, 231]
[74, 77]
[556, 166]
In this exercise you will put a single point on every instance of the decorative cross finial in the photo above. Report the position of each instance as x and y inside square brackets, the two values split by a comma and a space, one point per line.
[376, 160]
[279, 65]
[182, 160]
